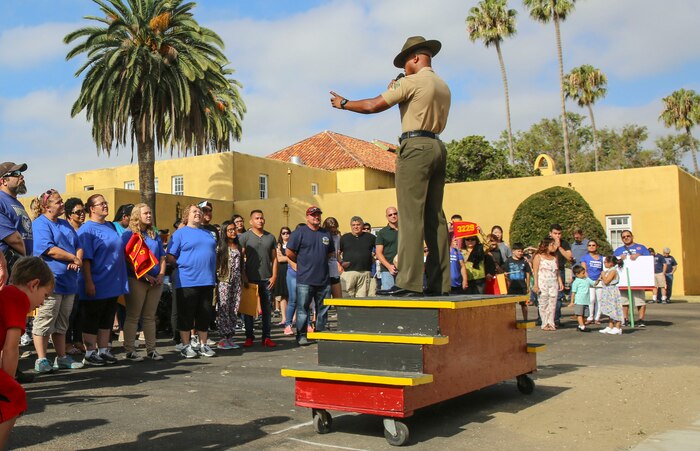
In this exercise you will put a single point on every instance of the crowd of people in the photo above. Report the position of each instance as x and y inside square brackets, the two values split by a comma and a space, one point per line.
[104, 274]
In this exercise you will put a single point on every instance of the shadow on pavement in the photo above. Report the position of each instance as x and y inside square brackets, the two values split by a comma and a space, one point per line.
[201, 436]
[449, 418]
[26, 436]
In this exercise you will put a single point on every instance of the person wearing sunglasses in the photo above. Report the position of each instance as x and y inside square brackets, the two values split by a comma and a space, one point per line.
[56, 242]
[75, 212]
[631, 250]
[16, 238]
[593, 264]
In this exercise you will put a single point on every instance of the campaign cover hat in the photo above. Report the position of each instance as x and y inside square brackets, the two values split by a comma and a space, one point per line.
[413, 43]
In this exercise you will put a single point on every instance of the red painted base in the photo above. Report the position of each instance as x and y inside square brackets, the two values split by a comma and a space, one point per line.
[381, 400]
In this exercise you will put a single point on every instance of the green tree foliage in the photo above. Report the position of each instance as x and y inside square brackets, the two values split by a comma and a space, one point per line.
[586, 84]
[672, 148]
[155, 78]
[556, 205]
[623, 149]
[546, 137]
[474, 158]
[491, 21]
[682, 111]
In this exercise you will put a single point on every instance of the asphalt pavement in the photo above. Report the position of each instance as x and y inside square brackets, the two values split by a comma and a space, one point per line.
[238, 399]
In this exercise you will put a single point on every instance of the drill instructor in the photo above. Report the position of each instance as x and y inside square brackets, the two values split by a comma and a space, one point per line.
[424, 103]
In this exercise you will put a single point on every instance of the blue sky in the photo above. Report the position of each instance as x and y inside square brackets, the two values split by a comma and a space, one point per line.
[289, 54]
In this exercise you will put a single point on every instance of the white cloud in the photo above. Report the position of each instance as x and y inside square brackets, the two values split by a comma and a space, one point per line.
[30, 47]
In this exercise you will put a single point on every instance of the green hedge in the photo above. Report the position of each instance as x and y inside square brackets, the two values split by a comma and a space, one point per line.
[560, 205]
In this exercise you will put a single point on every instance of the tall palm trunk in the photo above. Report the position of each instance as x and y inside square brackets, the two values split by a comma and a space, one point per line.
[145, 149]
[565, 130]
[595, 137]
[694, 151]
[505, 88]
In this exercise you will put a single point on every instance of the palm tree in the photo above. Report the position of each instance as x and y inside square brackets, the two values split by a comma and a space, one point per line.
[682, 111]
[154, 77]
[586, 84]
[492, 21]
[556, 11]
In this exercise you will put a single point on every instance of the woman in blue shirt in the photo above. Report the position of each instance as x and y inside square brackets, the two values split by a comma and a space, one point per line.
[144, 293]
[193, 250]
[593, 262]
[101, 281]
[56, 242]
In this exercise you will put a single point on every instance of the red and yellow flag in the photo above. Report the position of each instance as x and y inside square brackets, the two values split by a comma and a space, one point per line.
[139, 255]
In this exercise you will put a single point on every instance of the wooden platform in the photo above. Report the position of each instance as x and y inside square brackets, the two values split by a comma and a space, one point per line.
[392, 356]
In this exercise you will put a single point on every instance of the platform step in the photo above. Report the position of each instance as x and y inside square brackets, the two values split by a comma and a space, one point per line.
[381, 338]
[330, 373]
[388, 321]
[525, 324]
[536, 347]
[436, 302]
[407, 358]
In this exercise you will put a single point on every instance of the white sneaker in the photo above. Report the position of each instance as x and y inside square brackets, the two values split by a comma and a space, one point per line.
[25, 339]
[615, 331]
[179, 347]
[605, 331]
[188, 352]
[211, 342]
[194, 340]
[206, 351]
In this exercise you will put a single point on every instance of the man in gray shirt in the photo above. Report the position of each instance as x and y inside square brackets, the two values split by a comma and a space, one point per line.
[259, 248]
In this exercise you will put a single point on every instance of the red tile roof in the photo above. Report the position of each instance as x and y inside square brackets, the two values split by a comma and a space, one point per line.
[333, 151]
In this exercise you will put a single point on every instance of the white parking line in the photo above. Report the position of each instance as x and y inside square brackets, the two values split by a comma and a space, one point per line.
[326, 446]
[308, 423]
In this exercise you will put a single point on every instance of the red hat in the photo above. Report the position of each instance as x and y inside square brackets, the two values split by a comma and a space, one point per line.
[313, 210]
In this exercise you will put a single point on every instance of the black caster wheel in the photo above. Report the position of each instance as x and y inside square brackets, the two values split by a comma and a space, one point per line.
[395, 432]
[322, 421]
[525, 384]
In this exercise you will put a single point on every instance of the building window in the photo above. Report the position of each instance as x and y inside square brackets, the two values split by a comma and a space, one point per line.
[155, 184]
[89, 188]
[178, 185]
[130, 185]
[314, 189]
[614, 226]
[263, 186]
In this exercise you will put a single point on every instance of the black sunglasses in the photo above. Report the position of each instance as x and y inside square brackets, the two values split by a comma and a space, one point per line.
[13, 174]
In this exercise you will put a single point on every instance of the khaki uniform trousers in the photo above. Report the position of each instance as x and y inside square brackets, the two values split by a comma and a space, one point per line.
[420, 184]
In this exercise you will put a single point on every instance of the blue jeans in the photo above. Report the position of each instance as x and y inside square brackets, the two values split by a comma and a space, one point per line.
[561, 298]
[669, 286]
[306, 294]
[265, 297]
[387, 280]
[292, 298]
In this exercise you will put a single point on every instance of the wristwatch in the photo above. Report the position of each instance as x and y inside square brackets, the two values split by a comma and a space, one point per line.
[342, 103]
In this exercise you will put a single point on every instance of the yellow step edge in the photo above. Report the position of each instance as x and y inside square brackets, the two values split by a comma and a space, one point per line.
[406, 381]
[381, 338]
[536, 347]
[424, 303]
[525, 324]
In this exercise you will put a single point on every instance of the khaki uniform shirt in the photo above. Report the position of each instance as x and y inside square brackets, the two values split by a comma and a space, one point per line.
[424, 101]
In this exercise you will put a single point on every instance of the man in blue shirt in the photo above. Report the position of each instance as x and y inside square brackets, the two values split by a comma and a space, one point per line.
[671, 267]
[310, 247]
[632, 250]
[659, 277]
[16, 239]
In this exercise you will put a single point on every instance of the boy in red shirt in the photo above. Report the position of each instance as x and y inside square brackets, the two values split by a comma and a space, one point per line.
[31, 281]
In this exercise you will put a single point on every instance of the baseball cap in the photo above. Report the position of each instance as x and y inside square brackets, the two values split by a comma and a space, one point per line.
[313, 210]
[9, 166]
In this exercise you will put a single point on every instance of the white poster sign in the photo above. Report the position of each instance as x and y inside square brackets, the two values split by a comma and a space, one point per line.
[641, 272]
